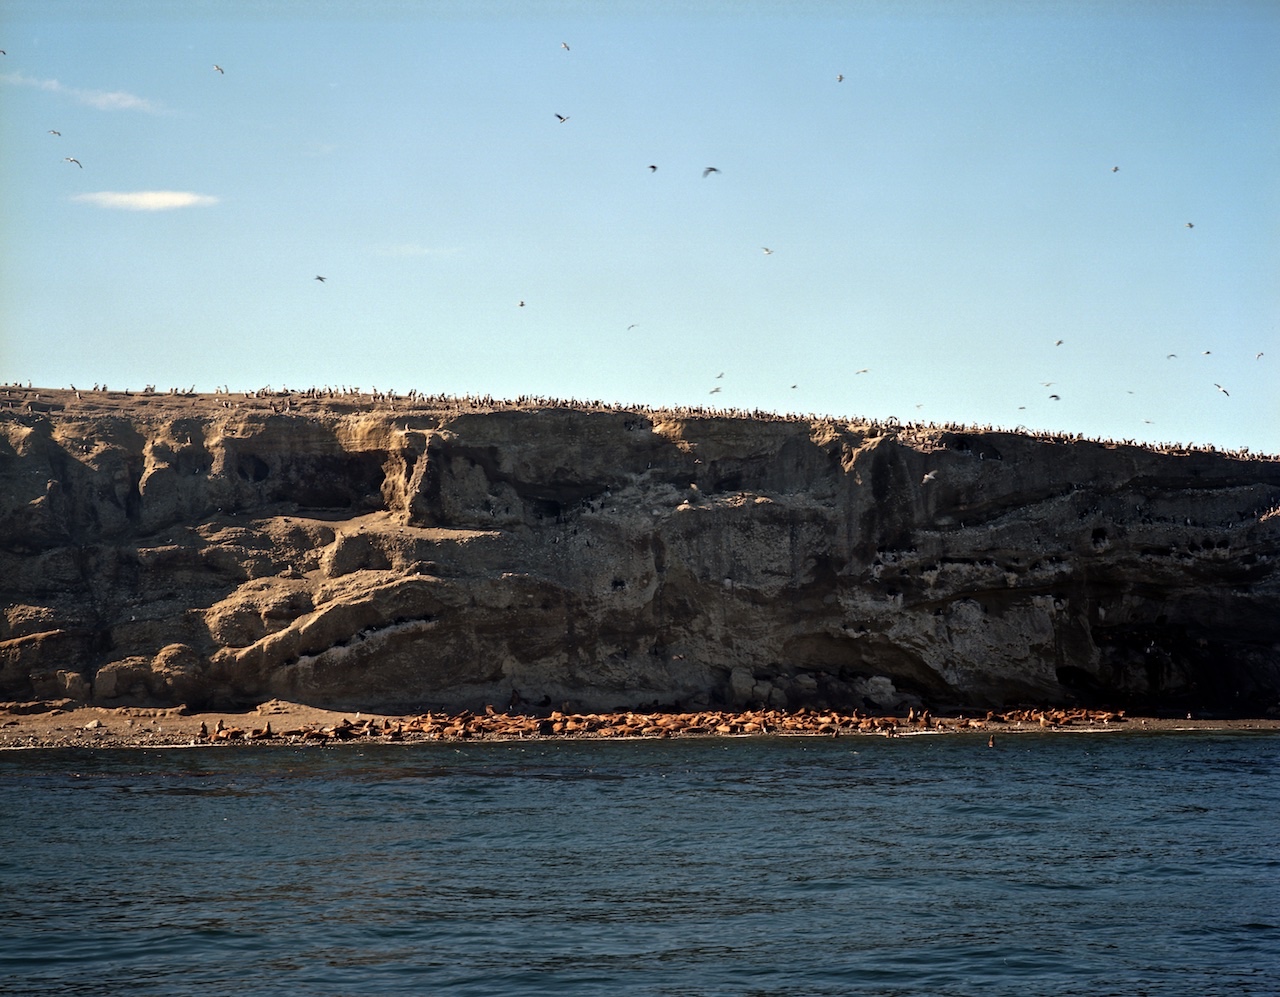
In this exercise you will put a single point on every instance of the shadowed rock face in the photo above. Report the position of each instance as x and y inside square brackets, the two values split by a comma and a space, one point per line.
[179, 550]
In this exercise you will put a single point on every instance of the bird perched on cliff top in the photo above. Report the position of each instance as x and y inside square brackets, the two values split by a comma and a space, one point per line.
[929, 476]
[68, 159]
[708, 171]
[1223, 390]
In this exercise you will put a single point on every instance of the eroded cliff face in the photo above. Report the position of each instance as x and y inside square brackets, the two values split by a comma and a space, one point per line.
[187, 550]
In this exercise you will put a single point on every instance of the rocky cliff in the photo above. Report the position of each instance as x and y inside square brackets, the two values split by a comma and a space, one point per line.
[381, 553]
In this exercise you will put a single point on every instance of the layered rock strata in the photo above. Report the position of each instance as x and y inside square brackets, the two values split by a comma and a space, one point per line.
[378, 553]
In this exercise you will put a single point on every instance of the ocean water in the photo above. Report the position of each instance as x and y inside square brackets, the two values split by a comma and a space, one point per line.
[1063, 864]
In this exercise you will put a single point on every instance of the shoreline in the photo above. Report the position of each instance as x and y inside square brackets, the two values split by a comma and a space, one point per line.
[68, 724]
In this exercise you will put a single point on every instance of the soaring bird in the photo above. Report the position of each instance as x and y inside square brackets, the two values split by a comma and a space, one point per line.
[767, 250]
[1258, 356]
[839, 77]
[1058, 343]
[1190, 225]
[565, 46]
[1171, 356]
[652, 168]
[521, 305]
[320, 279]
[929, 476]
[218, 68]
[1223, 390]
[1115, 169]
[563, 118]
[720, 375]
[52, 132]
[714, 391]
[68, 159]
[708, 171]
[1054, 398]
[864, 370]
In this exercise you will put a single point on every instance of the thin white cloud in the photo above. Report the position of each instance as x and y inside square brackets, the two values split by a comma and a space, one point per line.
[104, 100]
[146, 200]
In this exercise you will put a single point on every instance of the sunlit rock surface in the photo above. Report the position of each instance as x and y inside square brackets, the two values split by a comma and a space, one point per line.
[426, 553]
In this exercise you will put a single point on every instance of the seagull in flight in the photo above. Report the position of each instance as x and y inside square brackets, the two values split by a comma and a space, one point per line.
[52, 132]
[1171, 356]
[839, 77]
[68, 159]
[767, 250]
[1058, 343]
[864, 370]
[720, 375]
[652, 168]
[1258, 356]
[929, 476]
[565, 46]
[521, 305]
[632, 326]
[1115, 169]
[1054, 398]
[218, 68]
[563, 118]
[1190, 225]
[320, 279]
[708, 171]
[714, 391]
[1223, 390]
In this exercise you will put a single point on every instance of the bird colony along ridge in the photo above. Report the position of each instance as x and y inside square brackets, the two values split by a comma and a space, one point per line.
[347, 399]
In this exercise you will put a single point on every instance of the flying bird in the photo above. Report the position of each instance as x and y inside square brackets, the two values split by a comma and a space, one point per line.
[563, 118]
[1058, 343]
[1054, 398]
[1190, 225]
[1171, 356]
[794, 386]
[632, 326]
[720, 375]
[218, 68]
[52, 132]
[864, 370]
[714, 391]
[708, 171]
[1223, 390]
[320, 279]
[767, 250]
[839, 77]
[929, 476]
[565, 46]
[1258, 356]
[652, 168]
[1047, 384]
[1115, 169]
[68, 159]
[521, 305]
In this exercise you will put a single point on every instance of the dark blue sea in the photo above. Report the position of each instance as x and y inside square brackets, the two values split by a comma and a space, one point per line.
[1064, 864]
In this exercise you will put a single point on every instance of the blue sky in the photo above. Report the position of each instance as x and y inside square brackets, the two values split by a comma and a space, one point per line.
[939, 219]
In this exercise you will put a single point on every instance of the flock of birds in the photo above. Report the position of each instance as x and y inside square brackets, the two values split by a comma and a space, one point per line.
[768, 251]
